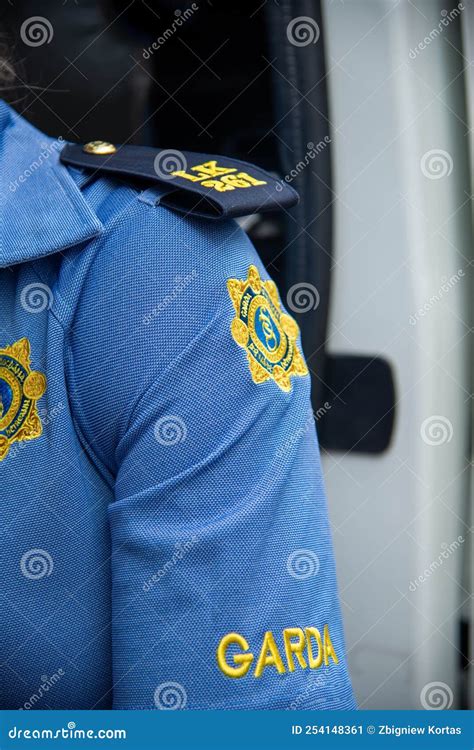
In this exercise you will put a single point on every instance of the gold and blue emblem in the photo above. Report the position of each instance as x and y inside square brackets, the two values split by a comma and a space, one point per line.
[267, 334]
[20, 389]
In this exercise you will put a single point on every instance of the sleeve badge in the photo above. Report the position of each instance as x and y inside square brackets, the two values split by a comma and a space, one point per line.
[20, 389]
[267, 334]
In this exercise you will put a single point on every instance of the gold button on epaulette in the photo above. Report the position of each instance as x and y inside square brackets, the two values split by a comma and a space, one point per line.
[100, 148]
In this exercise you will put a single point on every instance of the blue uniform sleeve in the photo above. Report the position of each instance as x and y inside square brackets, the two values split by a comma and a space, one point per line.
[223, 584]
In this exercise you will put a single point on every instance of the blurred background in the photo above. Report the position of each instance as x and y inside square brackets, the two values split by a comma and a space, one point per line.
[366, 108]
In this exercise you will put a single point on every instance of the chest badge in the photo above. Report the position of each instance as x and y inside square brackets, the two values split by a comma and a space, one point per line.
[20, 389]
[268, 335]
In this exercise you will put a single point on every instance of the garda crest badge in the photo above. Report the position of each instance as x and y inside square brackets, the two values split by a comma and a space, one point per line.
[267, 334]
[20, 389]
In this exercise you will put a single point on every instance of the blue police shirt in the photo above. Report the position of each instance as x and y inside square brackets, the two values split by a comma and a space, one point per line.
[164, 531]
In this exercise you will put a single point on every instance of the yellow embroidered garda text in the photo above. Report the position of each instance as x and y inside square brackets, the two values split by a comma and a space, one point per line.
[221, 179]
[304, 648]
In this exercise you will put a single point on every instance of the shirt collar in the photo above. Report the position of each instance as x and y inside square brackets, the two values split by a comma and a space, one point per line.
[42, 211]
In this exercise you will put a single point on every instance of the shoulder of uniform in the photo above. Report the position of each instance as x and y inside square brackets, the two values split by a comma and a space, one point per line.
[194, 183]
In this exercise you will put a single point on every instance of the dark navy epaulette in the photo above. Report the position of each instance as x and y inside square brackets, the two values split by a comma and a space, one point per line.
[203, 184]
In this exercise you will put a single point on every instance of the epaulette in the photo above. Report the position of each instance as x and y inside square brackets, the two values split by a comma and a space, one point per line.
[203, 184]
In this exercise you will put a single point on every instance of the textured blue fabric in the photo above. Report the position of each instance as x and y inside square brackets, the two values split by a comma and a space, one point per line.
[170, 500]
